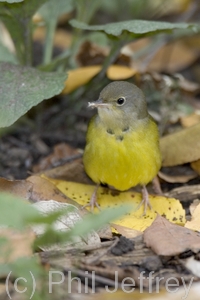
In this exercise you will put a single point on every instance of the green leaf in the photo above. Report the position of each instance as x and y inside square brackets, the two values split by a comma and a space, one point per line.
[17, 18]
[11, 1]
[31, 272]
[93, 221]
[22, 266]
[49, 218]
[84, 14]
[15, 212]
[24, 87]
[50, 237]
[22, 10]
[81, 228]
[52, 9]
[137, 28]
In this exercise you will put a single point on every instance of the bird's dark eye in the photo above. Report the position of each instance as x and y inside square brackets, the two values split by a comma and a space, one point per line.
[121, 101]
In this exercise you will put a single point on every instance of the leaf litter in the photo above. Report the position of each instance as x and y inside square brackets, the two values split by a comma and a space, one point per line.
[82, 193]
[43, 188]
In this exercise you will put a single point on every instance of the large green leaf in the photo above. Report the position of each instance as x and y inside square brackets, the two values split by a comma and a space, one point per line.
[11, 1]
[15, 212]
[84, 14]
[53, 9]
[22, 10]
[22, 88]
[136, 28]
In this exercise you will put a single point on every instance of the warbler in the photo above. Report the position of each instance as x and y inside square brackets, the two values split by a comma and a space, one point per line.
[122, 141]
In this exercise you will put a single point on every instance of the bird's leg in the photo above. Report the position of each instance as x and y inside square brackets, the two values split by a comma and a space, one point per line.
[93, 200]
[145, 200]
[156, 186]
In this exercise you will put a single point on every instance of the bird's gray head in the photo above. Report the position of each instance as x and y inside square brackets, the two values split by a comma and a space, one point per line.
[123, 97]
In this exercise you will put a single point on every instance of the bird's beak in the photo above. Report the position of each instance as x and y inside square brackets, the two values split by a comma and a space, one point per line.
[98, 103]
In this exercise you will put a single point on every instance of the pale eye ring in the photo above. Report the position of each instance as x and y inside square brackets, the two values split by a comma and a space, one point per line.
[121, 101]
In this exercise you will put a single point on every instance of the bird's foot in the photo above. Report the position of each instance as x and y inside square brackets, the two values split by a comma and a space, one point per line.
[145, 201]
[156, 186]
[93, 200]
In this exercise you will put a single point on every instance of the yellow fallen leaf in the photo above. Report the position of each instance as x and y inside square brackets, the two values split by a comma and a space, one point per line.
[181, 147]
[168, 207]
[172, 7]
[83, 75]
[79, 77]
[117, 72]
[125, 231]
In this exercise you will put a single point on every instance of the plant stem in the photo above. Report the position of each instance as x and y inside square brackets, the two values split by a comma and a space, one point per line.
[27, 42]
[114, 52]
[51, 27]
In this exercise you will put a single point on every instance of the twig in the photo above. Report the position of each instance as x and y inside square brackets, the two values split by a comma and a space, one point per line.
[95, 260]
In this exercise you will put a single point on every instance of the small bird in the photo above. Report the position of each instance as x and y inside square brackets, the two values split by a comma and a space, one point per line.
[122, 141]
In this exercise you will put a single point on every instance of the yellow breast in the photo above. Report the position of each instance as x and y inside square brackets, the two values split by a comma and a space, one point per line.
[122, 158]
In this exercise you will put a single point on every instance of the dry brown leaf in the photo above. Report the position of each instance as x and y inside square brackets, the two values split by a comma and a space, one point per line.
[190, 120]
[169, 58]
[193, 206]
[33, 188]
[185, 193]
[60, 152]
[173, 57]
[19, 244]
[45, 190]
[194, 224]
[188, 86]
[135, 46]
[169, 239]
[91, 54]
[20, 188]
[176, 178]
[196, 166]
[71, 171]
[181, 147]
